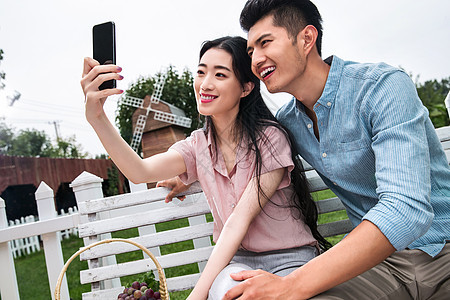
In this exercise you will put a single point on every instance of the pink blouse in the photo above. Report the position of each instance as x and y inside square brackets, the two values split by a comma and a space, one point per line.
[275, 227]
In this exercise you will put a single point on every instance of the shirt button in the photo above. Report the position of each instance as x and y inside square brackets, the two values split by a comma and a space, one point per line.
[328, 104]
[334, 183]
[233, 205]
[324, 155]
[309, 126]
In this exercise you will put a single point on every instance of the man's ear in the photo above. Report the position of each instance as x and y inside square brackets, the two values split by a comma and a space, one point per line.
[248, 88]
[307, 38]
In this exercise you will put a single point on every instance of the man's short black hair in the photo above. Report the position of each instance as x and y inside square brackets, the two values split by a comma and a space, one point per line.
[293, 15]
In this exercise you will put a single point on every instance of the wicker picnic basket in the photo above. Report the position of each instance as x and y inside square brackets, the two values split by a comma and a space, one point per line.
[162, 278]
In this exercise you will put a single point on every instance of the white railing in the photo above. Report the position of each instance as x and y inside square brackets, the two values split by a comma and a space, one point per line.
[48, 227]
[27, 245]
[65, 234]
[31, 244]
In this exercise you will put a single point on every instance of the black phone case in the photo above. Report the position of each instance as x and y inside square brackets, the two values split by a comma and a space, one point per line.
[104, 44]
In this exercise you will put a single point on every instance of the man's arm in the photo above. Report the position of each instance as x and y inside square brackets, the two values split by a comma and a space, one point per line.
[347, 259]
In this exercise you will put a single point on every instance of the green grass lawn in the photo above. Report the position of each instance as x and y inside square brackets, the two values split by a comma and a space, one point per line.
[32, 274]
[332, 216]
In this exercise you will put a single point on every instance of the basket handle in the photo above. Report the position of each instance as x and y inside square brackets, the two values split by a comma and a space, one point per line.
[162, 279]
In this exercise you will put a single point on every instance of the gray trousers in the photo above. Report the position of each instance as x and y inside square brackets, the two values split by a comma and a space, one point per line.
[405, 275]
[279, 262]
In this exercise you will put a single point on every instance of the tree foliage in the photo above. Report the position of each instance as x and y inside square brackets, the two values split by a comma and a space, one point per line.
[6, 137]
[30, 143]
[35, 143]
[112, 184]
[432, 93]
[178, 91]
[67, 148]
[2, 74]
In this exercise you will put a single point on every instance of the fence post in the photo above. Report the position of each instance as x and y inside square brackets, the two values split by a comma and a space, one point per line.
[8, 279]
[149, 229]
[52, 245]
[87, 186]
[447, 103]
[199, 242]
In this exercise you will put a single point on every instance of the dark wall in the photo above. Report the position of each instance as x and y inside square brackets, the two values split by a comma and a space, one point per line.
[64, 198]
[20, 201]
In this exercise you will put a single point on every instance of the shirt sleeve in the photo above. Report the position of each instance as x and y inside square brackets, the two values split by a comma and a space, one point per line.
[399, 142]
[276, 153]
[186, 148]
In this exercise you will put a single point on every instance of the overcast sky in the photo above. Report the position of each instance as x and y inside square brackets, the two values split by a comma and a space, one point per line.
[44, 43]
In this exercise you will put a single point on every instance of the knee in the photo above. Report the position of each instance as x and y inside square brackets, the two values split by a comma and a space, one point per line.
[224, 282]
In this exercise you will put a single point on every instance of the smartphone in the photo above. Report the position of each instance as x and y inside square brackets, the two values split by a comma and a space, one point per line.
[104, 42]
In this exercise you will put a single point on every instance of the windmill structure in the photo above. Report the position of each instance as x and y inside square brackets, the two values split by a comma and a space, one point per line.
[152, 105]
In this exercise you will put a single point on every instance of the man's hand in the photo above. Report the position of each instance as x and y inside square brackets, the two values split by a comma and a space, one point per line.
[176, 186]
[346, 260]
[261, 285]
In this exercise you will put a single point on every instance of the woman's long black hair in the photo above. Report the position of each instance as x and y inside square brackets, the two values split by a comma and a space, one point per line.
[252, 119]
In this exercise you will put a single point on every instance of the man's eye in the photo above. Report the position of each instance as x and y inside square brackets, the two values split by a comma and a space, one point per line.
[200, 72]
[250, 54]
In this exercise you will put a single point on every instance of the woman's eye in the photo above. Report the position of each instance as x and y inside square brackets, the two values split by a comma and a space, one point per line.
[220, 75]
[264, 42]
[200, 72]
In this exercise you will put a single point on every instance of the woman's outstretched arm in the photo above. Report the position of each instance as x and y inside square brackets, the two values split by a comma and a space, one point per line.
[158, 167]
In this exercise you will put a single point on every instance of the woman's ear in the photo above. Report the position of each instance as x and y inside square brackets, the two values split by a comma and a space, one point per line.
[248, 88]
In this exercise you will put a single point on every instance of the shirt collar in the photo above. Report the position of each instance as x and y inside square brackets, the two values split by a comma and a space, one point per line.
[217, 158]
[331, 86]
[212, 150]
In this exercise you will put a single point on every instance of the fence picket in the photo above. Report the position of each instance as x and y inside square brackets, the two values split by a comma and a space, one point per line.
[51, 241]
[8, 280]
[31, 244]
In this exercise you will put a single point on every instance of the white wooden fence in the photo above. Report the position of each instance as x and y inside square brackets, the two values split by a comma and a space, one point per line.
[48, 227]
[31, 244]
[27, 245]
[86, 187]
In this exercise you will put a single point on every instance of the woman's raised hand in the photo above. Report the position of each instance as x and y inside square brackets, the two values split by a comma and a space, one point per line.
[94, 75]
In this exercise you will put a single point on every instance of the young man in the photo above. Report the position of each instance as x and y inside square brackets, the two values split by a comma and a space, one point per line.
[366, 132]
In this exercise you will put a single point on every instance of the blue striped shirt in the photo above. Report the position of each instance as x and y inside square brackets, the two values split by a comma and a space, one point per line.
[378, 152]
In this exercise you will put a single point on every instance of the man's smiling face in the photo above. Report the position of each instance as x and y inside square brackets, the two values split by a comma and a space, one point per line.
[276, 59]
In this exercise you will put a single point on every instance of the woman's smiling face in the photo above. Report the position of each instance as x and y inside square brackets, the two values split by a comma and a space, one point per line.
[217, 89]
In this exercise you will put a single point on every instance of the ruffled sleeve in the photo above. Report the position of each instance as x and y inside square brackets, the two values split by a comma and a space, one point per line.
[276, 153]
[187, 149]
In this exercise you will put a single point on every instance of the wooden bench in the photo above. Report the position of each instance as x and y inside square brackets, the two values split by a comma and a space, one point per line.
[137, 214]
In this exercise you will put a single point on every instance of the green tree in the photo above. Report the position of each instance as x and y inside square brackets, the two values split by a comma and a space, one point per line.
[432, 93]
[178, 90]
[35, 143]
[6, 137]
[112, 184]
[30, 142]
[66, 148]
[2, 74]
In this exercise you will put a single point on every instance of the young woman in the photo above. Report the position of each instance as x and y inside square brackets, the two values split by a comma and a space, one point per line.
[264, 216]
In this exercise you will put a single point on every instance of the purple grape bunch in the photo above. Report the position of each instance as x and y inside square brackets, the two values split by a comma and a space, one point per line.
[139, 291]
